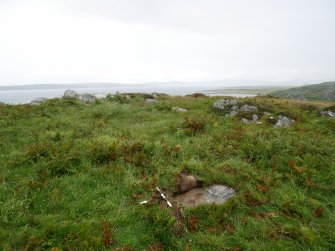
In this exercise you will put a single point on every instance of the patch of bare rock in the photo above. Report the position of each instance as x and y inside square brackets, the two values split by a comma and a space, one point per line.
[192, 195]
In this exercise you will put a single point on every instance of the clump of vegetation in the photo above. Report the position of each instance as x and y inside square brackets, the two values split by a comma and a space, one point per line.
[193, 125]
[197, 95]
[73, 175]
[103, 149]
[163, 106]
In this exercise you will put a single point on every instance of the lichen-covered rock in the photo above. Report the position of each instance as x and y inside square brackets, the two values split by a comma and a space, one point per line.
[255, 117]
[249, 108]
[234, 108]
[87, 98]
[283, 122]
[220, 104]
[214, 194]
[70, 94]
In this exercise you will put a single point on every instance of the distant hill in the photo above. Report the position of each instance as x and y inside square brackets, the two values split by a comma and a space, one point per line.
[323, 91]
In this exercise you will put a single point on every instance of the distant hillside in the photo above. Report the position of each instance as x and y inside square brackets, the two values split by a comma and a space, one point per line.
[323, 91]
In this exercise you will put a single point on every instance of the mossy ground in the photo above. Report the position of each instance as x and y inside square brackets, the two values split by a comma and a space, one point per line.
[72, 176]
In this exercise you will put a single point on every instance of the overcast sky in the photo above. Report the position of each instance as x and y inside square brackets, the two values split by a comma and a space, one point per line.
[68, 41]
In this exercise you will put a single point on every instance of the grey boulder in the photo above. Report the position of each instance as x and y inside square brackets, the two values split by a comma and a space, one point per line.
[70, 94]
[283, 122]
[87, 98]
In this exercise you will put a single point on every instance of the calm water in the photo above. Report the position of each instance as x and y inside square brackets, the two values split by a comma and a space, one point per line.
[26, 96]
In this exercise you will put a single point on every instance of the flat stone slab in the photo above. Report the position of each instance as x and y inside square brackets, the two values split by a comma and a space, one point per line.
[214, 194]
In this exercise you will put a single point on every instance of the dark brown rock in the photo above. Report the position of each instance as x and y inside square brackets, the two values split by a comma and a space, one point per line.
[186, 182]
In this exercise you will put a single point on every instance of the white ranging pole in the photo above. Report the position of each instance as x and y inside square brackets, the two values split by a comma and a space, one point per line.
[164, 197]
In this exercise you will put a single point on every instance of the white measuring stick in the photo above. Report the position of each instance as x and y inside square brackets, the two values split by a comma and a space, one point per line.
[164, 197]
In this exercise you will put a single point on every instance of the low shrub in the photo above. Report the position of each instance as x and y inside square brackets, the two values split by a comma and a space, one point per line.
[103, 149]
[193, 125]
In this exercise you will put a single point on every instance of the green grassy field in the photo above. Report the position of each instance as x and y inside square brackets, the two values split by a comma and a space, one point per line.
[73, 175]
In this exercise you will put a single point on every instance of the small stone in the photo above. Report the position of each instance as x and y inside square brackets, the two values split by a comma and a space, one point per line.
[179, 109]
[255, 117]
